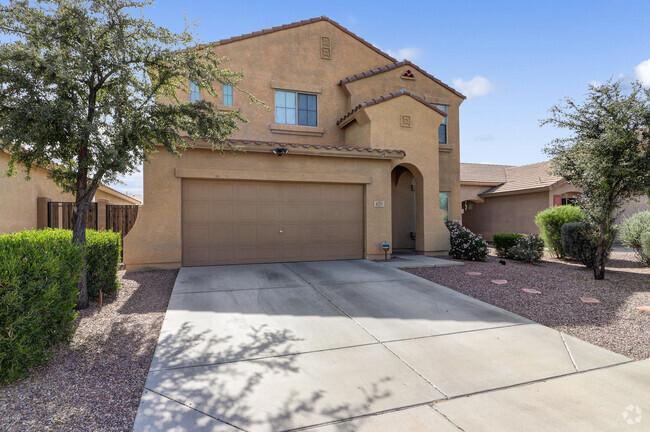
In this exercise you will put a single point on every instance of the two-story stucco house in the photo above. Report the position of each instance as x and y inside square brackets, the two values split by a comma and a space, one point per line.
[372, 156]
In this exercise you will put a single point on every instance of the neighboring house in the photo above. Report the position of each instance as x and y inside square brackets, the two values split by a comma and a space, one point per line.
[18, 196]
[505, 199]
[373, 153]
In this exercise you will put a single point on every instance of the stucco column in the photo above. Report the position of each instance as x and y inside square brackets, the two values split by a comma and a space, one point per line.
[41, 212]
[101, 214]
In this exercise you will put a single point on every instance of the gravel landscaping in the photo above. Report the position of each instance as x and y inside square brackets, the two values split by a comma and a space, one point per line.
[614, 324]
[95, 382]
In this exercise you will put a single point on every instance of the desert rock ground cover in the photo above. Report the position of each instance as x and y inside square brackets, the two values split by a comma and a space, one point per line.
[95, 382]
[614, 324]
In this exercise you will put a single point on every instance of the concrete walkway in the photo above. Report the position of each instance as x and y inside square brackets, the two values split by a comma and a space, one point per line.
[411, 260]
[357, 345]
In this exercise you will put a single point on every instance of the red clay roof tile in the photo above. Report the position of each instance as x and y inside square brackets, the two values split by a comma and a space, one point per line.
[395, 66]
[389, 96]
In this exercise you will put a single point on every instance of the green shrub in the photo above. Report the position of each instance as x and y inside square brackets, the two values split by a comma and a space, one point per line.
[464, 244]
[577, 244]
[38, 294]
[103, 249]
[528, 248]
[503, 243]
[645, 243]
[550, 223]
[631, 231]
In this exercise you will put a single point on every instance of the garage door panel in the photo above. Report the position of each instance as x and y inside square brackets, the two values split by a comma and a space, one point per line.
[268, 234]
[236, 222]
[222, 234]
[222, 212]
[290, 212]
[197, 234]
[245, 211]
[291, 233]
[196, 211]
[267, 212]
[245, 233]
[351, 212]
[245, 191]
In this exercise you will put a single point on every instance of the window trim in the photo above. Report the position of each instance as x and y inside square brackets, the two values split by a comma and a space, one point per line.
[297, 109]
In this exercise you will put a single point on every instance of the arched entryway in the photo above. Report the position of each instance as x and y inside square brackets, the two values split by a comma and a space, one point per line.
[404, 208]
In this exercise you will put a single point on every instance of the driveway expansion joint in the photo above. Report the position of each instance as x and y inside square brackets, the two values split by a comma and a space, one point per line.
[568, 350]
[193, 409]
[373, 336]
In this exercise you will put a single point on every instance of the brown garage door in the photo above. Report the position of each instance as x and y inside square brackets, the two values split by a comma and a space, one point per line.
[237, 222]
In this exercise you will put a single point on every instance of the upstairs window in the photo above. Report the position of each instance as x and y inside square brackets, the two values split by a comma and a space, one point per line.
[227, 94]
[293, 108]
[195, 92]
[442, 129]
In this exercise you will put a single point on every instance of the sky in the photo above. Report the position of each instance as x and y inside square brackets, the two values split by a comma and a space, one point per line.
[513, 59]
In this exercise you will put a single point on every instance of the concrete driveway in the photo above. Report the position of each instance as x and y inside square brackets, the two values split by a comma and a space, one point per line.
[326, 345]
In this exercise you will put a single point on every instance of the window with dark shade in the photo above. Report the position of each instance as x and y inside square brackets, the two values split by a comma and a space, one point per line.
[296, 108]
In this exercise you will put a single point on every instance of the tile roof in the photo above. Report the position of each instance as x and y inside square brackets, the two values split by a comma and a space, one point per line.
[315, 146]
[302, 23]
[387, 97]
[395, 66]
[483, 173]
[513, 178]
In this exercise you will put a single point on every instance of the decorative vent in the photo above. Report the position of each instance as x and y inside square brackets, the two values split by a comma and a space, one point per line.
[408, 74]
[405, 121]
[326, 47]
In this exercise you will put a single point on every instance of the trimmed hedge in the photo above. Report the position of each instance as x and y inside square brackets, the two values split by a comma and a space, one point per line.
[103, 251]
[528, 248]
[631, 231]
[464, 244]
[38, 294]
[577, 244]
[503, 243]
[550, 222]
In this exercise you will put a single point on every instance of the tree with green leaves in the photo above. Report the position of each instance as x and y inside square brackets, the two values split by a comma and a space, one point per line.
[90, 88]
[607, 154]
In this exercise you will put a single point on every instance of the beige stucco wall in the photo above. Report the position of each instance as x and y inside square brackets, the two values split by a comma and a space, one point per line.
[506, 214]
[155, 240]
[449, 154]
[290, 60]
[18, 197]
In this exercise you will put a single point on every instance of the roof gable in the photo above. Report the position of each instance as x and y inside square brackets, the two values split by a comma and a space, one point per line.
[299, 24]
[517, 178]
[398, 65]
[403, 92]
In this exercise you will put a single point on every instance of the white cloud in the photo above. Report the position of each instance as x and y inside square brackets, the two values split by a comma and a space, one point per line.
[477, 86]
[596, 83]
[642, 72]
[409, 53]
